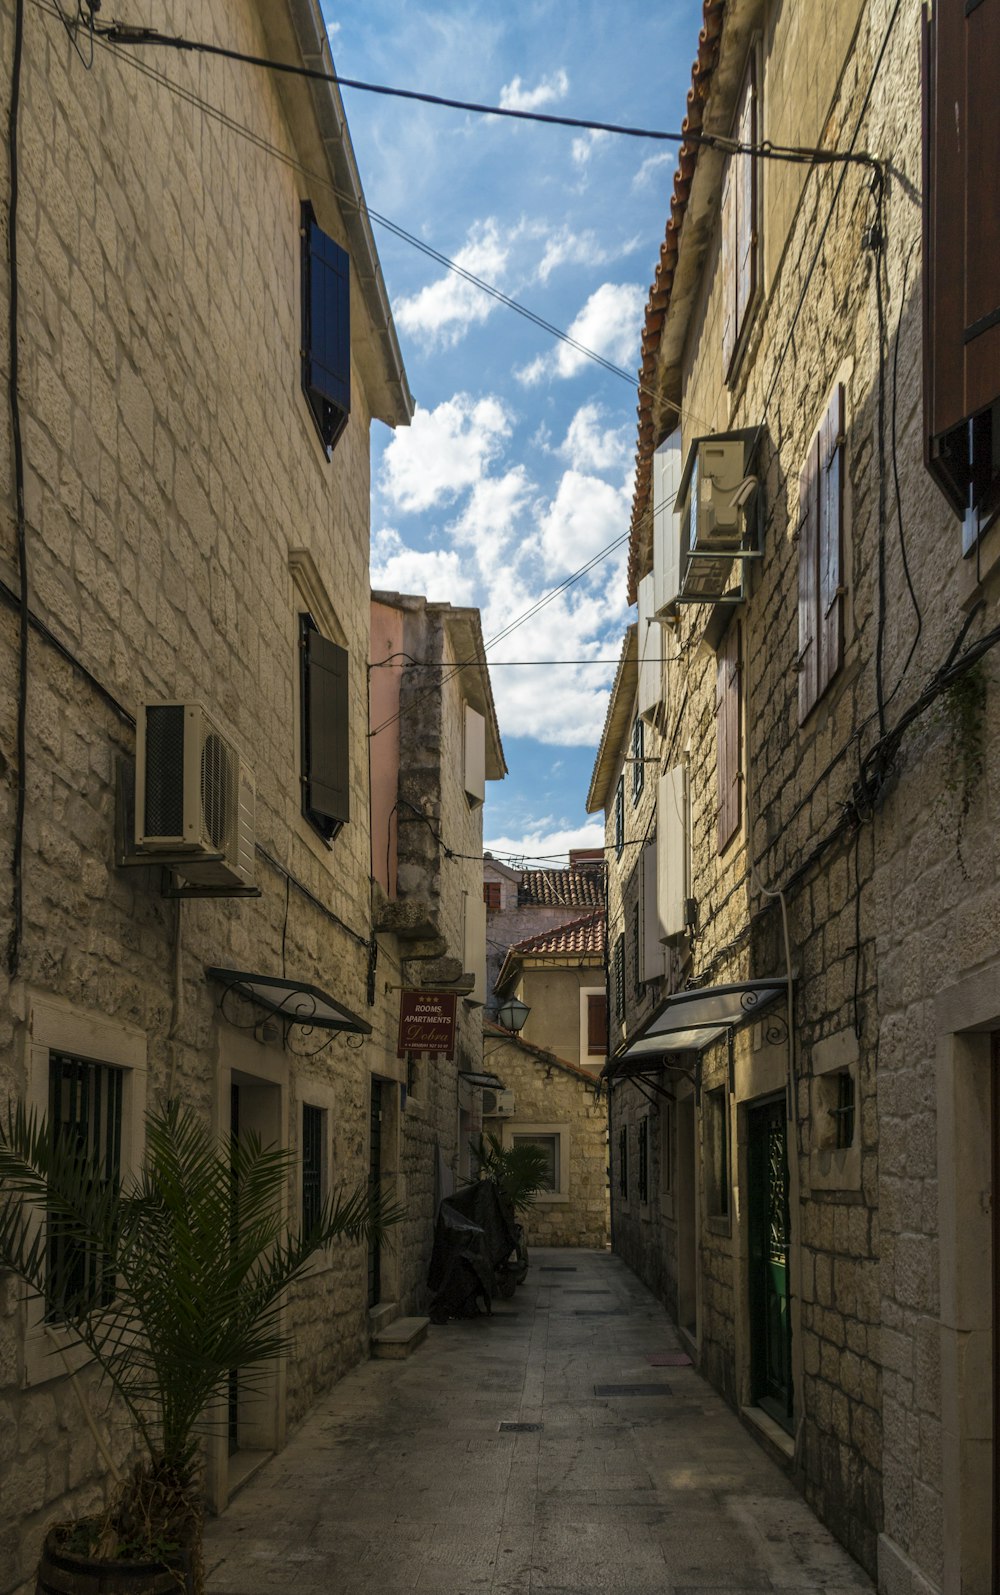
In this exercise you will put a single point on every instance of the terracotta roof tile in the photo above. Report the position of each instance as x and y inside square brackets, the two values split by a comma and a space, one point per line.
[659, 294]
[582, 887]
[579, 938]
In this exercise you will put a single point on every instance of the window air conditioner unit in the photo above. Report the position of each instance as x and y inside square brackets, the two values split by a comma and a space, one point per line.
[715, 492]
[498, 1104]
[194, 796]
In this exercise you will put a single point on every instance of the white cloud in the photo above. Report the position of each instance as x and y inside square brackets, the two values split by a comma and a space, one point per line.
[440, 314]
[565, 247]
[443, 452]
[490, 521]
[332, 29]
[589, 446]
[607, 325]
[585, 516]
[437, 573]
[515, 97]
[652, 165]
[583, 148]
[547, 845]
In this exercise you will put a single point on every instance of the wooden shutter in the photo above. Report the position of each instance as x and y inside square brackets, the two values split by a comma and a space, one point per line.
[830, 620]
[326, 328]
[961, 218]
[728, 223]
[597, 1025]
[808, 657]
[746, 199]
[727, 734]
[325, 742]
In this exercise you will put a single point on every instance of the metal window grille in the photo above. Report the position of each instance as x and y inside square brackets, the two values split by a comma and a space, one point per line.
[620, 816]
[549, 1145]
[638, 749]
[312, 1165]
[644, 1159]
[843, 1113]
[85, 1113]
[620, 979]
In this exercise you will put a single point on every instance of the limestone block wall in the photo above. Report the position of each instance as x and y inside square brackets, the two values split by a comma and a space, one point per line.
[171, 468]
[549, 1094]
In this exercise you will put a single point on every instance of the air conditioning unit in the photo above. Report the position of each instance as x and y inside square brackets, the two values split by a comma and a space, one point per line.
[194, 796]
[498, 1104]
[719, 490]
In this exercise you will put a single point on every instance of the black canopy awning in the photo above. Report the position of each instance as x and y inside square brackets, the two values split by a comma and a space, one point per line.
[294, 1001]
[690, 1021]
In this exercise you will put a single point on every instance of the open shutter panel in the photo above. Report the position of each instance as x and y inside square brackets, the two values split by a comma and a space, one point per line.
[326, 773]
[329, 319]
[733, 726]
[597, 1024]
[746, 202]
[721, 748]
[728, 224]
[961, 215]
[831, 537]
[808, 660]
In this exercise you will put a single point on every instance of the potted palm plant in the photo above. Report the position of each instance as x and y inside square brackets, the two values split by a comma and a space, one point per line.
[171, 1280]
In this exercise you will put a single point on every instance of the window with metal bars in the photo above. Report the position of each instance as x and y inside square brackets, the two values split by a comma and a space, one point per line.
[620, 817]
[644, 1159]
[313, 1136]
[85, 1116]
[638, 750]
[620, 979]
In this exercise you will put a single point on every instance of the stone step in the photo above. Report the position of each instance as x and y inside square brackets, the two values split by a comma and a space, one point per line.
[400, 1338]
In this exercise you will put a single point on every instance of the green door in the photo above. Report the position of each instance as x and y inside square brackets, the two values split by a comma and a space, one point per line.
[770, 1318]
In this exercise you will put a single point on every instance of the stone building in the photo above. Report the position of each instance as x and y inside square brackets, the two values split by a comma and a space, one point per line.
[559, 975]
[203, 340]
[552, 1103]
[520, 902]
[803, 1096]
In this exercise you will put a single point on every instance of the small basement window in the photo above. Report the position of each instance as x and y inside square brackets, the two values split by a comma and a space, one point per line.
[326, 330]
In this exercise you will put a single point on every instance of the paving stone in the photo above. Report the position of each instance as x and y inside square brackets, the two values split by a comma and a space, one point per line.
[401, 1482]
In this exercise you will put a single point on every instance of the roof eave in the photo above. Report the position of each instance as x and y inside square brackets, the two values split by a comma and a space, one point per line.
[619, 706]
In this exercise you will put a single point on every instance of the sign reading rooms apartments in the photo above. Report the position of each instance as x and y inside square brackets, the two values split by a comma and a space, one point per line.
[426, 1022]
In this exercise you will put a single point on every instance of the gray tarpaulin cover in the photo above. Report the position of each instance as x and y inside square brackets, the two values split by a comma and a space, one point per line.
[474, 1232]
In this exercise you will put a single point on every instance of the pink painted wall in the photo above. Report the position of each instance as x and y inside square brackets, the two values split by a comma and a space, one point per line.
[383, 690]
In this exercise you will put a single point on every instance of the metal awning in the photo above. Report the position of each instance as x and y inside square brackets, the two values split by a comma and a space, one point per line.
[689, 1021]
[294, 1001]
[482, 1078]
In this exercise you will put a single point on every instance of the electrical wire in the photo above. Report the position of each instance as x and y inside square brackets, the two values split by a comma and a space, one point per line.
[20, 524]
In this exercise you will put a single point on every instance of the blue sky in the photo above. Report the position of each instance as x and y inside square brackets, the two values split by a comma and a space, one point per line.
[518, 468]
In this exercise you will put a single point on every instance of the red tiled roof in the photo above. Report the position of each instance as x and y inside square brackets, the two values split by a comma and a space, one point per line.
[579, 937]
[704, 65]
[580, 887]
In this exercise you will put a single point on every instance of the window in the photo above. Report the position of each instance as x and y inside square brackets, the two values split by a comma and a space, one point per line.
[491, 896]
[716, 1133]
[85, 1112]
[619, 816]
[313, 1138]
[741, 251]
[667, 1145]
[961, 241]
[474, 757]
[644, 1159]
[623, 1161]
[844, 1111]
[638, 768]
[549, 1145]
[619, 972]
[821, 558]
[834, 1096]
[597, 1025]
[325, 731]
[728, 736]
[326, 330]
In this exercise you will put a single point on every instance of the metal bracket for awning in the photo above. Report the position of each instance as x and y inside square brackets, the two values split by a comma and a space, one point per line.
[689, 1021]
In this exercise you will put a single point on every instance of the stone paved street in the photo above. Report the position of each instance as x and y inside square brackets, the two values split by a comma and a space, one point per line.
[402, 1480]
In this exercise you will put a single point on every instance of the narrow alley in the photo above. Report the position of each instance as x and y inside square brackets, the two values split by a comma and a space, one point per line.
[630, 1473]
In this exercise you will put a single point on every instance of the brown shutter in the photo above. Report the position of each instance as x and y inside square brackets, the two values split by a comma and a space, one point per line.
[961, 215]
[727, 734]
[746, 202]
[808, 657]
[728, 225]
[326, 758]
[597, 1025]
[831, 599]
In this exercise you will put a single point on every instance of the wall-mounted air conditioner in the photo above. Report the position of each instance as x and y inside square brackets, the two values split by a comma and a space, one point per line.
[498, 1104]
[715, 496]
[194, 796]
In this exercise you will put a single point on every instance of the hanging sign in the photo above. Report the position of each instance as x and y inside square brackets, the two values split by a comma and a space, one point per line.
[426, 1022]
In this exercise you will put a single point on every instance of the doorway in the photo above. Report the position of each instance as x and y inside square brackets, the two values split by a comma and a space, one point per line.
[687, 1213]
[768, 1242]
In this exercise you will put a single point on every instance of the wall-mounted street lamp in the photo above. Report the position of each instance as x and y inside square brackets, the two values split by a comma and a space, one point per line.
[513, 1015]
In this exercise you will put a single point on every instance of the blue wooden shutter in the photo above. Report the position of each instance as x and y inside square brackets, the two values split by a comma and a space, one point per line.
[326, 775]
[326, 329]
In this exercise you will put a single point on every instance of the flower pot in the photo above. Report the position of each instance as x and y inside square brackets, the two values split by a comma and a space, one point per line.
[61, 1572]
